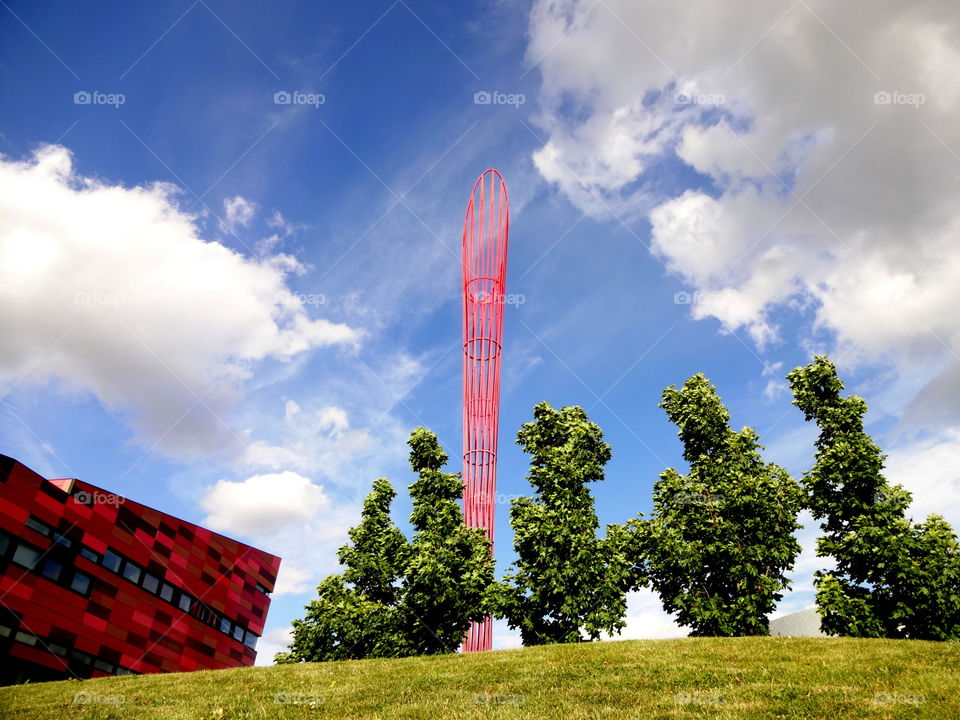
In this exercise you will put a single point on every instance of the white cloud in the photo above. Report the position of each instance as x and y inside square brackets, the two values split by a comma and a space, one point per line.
[292, 580]
[262, 503]
[822, 195]
[272, 642]
[647, 620]
[930, 469]
[112, 291]
[238, 212]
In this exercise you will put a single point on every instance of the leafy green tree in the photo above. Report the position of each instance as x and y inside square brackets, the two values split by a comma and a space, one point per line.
[892, 578]
[721, 539]
[449, 575]
[396, 598]
[566, 584]
[355, 615]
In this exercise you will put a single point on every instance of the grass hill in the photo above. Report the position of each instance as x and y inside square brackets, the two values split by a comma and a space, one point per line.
[766, 677]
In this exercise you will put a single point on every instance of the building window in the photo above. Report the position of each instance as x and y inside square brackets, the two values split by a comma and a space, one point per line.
[185, 602]
[26, 556]
[151, 583]
[105, 666]
[57, 649]
[111, 561]
[250, 640]
[262, 589]
[238, 633]
[166, 592]
[225, 626]
[38, 525]
[5, 630]
[81, 657]
[90, 555]
[80, 583]
[63, 540]
[132, 572]
[4, 544]
[51, 569]
[27, 638]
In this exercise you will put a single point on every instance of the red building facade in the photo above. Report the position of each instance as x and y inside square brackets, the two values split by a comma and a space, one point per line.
[93, 584]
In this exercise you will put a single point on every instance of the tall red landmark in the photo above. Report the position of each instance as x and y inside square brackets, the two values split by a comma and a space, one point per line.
[485, 230]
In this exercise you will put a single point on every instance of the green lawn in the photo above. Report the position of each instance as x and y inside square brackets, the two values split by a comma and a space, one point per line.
[793, 678]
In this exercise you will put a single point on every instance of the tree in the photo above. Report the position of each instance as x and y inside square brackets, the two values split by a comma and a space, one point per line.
[355, 615]
[720, 541]
[566, 583]
[449, 574]
[396, 598]
[892, 578]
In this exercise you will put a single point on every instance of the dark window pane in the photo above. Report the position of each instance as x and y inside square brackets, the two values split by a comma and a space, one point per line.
[51, 569]
[185, 602]
[5, 631]
[166, 592]
[90, 554]
[132, 572]
[225, 626]
[151, 583]
[26, 556]
[81, 657]
[57, 649]
[65, 541]
[38, 525]
[238, 633]
[80, 583]
[26, 638]
[4, 544]
[105, 666]
[111, 561]
[250, 640]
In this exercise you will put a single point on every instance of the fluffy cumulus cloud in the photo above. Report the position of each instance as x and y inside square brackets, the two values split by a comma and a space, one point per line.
[262, 503]
[800, 155]
[112, 290]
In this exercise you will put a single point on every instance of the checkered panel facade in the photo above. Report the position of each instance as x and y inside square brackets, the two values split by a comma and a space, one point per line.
[93, 584]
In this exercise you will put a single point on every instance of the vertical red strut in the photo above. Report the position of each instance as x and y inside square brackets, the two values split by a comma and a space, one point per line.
[485, 230]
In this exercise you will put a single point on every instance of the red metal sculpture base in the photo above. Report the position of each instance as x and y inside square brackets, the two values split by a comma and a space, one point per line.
[485, 231]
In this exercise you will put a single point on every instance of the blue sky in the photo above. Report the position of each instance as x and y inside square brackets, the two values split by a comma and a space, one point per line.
[248, 344]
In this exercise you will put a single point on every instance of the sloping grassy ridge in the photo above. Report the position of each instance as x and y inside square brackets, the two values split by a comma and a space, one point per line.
[695, 677]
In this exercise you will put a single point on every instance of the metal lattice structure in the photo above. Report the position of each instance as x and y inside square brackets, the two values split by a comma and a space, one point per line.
[485, 230]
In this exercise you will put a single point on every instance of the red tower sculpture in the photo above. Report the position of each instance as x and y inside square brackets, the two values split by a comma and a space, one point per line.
[485, 230]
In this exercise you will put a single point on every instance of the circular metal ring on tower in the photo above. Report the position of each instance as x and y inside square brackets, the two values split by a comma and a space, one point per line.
[481, 348]
[479, 458]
